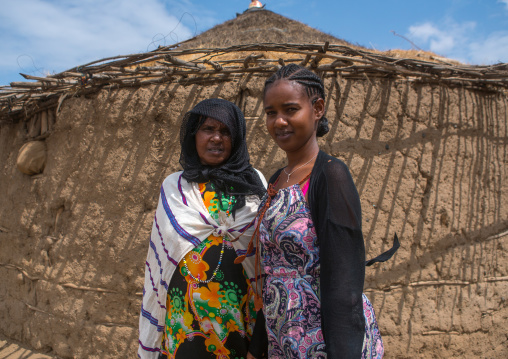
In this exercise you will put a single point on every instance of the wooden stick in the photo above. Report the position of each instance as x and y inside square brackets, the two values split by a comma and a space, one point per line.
[44, 122]
[35, 126]
[251, 58]
[26, 84]
[35, 309]
[179, 62]
[51, 119]
[29, 77]
[215, 65]
[91, 289]
[438, 332]
[25, 274]
[496, 279]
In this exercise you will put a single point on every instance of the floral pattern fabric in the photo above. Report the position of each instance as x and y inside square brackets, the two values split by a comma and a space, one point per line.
[372, 343]
[291, 295]
[215, 319]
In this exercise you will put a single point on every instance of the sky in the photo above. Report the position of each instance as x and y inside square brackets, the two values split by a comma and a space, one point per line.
[42, 37]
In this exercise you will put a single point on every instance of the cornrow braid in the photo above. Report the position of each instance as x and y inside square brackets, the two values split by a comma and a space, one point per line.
[312, 83]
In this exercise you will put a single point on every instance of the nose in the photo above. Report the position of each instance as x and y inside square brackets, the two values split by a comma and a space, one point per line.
[280, 122]
[217, 136]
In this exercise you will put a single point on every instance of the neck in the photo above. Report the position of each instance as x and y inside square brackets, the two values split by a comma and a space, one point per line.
[302, 155]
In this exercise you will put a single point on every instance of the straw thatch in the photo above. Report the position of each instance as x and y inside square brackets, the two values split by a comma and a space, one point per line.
[260, 26]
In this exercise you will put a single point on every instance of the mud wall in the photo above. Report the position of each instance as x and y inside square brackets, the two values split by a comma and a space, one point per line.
[430, 164]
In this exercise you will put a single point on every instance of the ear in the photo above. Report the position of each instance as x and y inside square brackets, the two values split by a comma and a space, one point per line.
[319, 108]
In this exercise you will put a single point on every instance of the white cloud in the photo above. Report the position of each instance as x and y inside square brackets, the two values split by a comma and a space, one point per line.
[461, 42]
[447, 38]
[438, 41]
[492, 50]
[46, 36]
[505, 2]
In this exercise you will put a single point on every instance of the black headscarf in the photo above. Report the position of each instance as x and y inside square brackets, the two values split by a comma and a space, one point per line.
[235, 176]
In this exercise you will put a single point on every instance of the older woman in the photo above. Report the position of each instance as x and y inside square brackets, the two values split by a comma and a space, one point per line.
[197, 303]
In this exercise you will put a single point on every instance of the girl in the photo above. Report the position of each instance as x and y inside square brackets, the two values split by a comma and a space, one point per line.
[310, 233]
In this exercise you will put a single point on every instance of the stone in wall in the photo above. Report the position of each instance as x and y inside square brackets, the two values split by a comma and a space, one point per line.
[32, 158]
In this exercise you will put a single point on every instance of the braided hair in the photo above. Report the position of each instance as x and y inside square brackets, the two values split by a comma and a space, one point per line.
[312, 83]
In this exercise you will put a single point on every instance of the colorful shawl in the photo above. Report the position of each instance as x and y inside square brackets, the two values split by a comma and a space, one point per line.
[181, 222]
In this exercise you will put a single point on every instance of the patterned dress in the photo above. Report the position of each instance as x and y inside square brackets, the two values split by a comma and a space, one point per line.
[215, 319]
[291, 293]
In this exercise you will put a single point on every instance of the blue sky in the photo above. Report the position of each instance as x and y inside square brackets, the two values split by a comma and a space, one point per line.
[41, 37]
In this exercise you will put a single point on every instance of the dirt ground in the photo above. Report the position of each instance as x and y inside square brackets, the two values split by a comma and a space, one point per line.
[430, 164]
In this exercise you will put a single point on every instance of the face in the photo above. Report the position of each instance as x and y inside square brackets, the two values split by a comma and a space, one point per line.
[213, 142]
[291, 118]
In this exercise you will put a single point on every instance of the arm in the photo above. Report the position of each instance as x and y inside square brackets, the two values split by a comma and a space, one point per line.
[150, 327]
[336, 212]
[153, 311]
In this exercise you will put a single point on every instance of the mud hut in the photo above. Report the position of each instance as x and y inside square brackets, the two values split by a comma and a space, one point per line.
[425, 138]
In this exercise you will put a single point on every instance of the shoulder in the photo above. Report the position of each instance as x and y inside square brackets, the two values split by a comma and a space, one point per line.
[173, 179]
[275, 175]
[331, 168]
[261, 177]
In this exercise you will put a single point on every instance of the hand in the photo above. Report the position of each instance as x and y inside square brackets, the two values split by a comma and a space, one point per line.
[250, 356]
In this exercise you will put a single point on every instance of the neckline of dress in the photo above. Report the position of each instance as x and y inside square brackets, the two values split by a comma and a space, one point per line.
[304, 179]
[299, 190]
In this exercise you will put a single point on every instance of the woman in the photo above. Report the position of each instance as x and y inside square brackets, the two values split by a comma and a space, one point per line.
[312, 248]
[197, 303]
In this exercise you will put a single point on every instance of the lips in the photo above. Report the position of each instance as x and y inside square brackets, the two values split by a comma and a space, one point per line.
[216, 150]
[282, 135]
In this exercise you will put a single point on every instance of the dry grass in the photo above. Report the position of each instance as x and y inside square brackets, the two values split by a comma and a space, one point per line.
[260, 26]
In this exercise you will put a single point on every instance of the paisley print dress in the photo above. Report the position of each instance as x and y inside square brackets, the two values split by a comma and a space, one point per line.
[215, 319]
[291, 293]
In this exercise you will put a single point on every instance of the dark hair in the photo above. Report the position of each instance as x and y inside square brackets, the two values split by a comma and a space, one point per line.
[312, 83]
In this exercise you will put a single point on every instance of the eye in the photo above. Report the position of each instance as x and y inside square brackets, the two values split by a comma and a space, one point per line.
[270, 113]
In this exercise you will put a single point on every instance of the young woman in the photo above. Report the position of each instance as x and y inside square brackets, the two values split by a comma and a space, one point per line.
[197, 303]
[310, 233]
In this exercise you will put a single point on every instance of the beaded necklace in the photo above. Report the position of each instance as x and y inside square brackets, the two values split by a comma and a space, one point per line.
[228, 213]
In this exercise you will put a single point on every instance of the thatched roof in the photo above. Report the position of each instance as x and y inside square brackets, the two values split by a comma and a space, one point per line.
[255, 42]
[260, 26]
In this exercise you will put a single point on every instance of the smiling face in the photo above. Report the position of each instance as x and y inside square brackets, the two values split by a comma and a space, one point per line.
[213, 142]
[291, 118]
